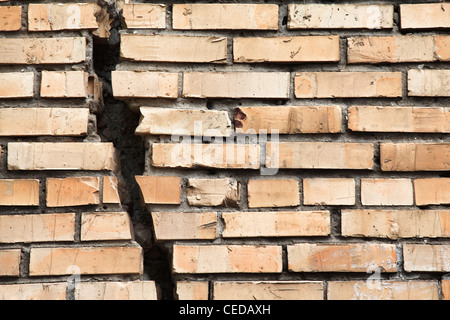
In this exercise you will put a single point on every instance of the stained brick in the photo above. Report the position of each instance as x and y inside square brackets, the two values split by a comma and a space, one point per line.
[10, 18]
[19, 192]
[64, 84]
[213, 192]
[427, 258]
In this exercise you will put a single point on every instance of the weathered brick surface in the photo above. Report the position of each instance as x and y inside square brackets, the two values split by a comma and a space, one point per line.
[427, 258]
[273, 193]
[16, 85]
[9, 262]
[432, 191]
[192, 290]
[322, 191]
[10, 18]
[160, 190]
[132, 290]
[184, 225]
[66, 84]
[75, 191]
[19, 192]
[145, 84]
[379, 192]
[33, 291]
[428, 83]
[425, 16]
[97, 226]
[144, 15]
[213, 192]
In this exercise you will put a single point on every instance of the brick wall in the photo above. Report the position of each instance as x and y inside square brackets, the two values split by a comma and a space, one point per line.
[292, 150]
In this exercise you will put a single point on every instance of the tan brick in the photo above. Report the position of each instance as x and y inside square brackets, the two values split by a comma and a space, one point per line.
[236, 85]
[269, 290]
[383, 290]
[16, 85]
[10, 18]
[225, 16]
[394, 224]
[110, 190]
[145, 84]
[378, 192]
[227, 259]
[43, 50]
[427, 258]
[163, 121]
[160, 189]
[19, 192]
[415, 156]
[220, 156]
[289, 119]
[9, 262]
[276, 224]
[61, 156]
[399, 119]
[273, 193]
[33, 291]
[112, 290]
[85, 260]
[428, 83]
[353, 257]
[425, 16]
[432, 191]
[37, 227]
[184, 225]
[96, 226]
[44, 121]
[192, 290]
[340, 16]
[320, 155]
[286, 49]
[348, 84]
[213, 192]
[64, 84]
[446, 289]
[76, 191]
[329, 191]
[144, 15]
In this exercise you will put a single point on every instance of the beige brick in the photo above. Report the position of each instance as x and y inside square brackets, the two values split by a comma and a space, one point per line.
[399, 119]
[227, 259]
[60, 50]
[446, 289]
[213, 192]
[348, 84]
[425, 16]
[427, 258]
[219, 156]
[160, 189]
[394, 224]
[163, 121]
[276, 224]
[61, 156]
[19, 192]
[96, 226]
[353, 257]
[383, 290]
[378, 192]
[33, 291]
[289, 119]
[9, 262]
[286, 49]
[415, 156]
[112, 290]
[236, 85]
[192, 290]
[44, 121]
[320, 155]
[144, 15]
[145, 84]
[10, 18]
[329, 191]
[184, 225]
[432, 191]
[269, 290]
[85, 260]
[428, 83]
[64, 84]
[225, 16]
[110, 190]
[76, 191]
[340, 16]
[37, 227]
[16, 85]
[273, 193]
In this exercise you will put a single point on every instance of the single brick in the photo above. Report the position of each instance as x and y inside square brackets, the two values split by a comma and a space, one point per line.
[110, 190]
[276, 224]
[34, 291]
[236, 85]
[9, 262]
[112, 290]
[415, 156]
[85, 260]
[184, 225]
[227, 259]
[213, 192]
[64, 84]
[432, 191]
[61, 156]
[446, 289]
[144, 84]
[144, 15]
[160, 189]
[348, 84]
[192, 290]
[76, 191]
[225, 16]
[353, 257]
[319, 155]
[378, 192]
[19, 192]
[273, 193]
[16, 84]
[340, 16]
[428, 83]
[96, 226]
[329, 191]
[394, 224]
[427, 258]
[10, 18]
[268, 290]
[289, 119]
[286, 49]
[399, 119]
[425, 16]
[37, 228]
